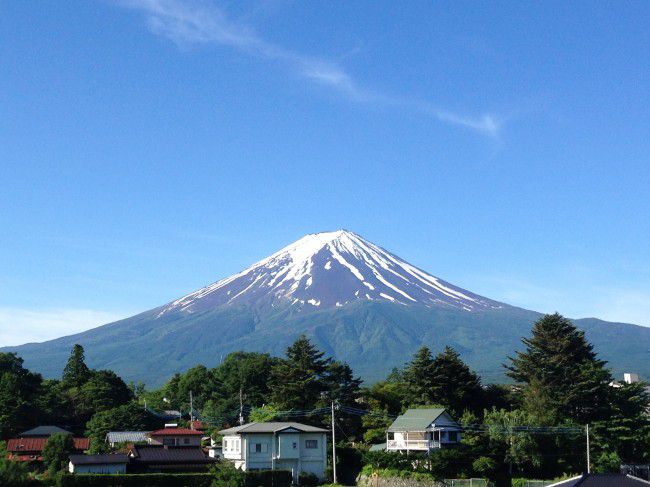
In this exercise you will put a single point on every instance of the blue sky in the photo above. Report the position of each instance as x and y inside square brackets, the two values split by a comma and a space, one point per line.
[149, 147]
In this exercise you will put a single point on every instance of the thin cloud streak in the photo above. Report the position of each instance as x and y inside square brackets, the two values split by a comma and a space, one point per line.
[200, 23]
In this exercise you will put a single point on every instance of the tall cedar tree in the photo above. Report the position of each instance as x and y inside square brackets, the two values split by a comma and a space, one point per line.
[76, 372]
[298, 381]
[418, 377]
[455, 386]
[560, 374]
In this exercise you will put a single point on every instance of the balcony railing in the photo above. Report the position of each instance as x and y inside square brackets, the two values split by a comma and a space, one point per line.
[412, 444]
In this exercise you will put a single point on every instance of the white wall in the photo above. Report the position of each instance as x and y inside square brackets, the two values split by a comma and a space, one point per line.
[100, 468]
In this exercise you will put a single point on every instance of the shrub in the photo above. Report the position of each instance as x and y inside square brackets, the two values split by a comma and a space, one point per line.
[264, 478]
[308, 479]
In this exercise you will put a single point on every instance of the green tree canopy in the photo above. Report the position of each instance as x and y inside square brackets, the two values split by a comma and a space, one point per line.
[418, 377]
[560, 374]
[298, 381]
[57, 451]
[19, 390]
[128, 417]
[76, 372]
[454, 385]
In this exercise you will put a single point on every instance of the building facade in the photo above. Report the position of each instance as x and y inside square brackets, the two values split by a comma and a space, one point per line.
[277, 446]
[423, 430]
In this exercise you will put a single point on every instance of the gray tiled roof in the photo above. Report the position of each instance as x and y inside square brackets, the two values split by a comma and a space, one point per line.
[126, 436]
[271, 427]
[170, 454]
[415, 419]
[44, 431]
[99, 459]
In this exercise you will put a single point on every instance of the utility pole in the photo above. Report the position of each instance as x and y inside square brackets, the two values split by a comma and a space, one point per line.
[588, 459]
[333, 445]
[241, 407]
[191, 411]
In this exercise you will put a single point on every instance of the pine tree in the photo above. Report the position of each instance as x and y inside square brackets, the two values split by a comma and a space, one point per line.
[454, 384]
[298, 381]
[560, 374]
[418, 377]
[76, 372]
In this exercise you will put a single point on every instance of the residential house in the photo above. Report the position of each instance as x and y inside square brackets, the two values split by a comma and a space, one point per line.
[602, 480]
[160, 459]
[106, 464]
[423, 430]
[175, 437]
[30, 449]
[114, 438]
[277, 446]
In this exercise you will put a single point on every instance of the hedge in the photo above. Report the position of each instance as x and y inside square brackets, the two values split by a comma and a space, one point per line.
[264, 478]
[277, 478]
[136, 480]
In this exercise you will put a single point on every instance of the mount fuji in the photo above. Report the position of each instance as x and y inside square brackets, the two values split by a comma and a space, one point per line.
[357, 301]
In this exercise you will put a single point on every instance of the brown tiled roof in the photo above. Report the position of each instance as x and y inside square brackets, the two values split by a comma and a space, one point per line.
[21, 445]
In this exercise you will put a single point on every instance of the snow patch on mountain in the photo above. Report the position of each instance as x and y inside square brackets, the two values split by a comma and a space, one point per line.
[330, 269]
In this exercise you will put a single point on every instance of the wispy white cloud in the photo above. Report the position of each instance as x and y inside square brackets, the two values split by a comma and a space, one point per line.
[192, 22]
[18, 326]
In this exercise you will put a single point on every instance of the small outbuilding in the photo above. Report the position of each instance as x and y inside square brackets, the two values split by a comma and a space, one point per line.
[106, 464]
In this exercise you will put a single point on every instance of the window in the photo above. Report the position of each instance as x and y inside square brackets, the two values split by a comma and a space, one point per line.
[311, 444]
[453, 436]
[225, 444]
[295, 445]
[186, 441]
[169, 442]
[258, 447]
[443, 434]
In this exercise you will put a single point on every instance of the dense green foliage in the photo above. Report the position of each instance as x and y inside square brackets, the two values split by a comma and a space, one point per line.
[509, 431]
[128, 417]
[56, 452]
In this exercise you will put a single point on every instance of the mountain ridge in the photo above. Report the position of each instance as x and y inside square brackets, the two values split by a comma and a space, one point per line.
[357, 301]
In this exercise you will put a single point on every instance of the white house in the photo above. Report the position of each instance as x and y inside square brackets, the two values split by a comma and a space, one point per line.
[115, 463]
[422, 430]
[277, 446]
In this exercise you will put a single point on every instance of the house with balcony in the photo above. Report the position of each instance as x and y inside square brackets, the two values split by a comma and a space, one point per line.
[423, 430]
[277, 446]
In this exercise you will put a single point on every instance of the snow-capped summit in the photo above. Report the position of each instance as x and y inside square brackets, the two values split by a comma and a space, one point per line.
[330, 269]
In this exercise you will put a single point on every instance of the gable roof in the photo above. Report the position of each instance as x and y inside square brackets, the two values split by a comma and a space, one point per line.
[603, 480]
[44, 431]
[126, 436]
[175, 432]
[171, 454]
[416, 419]
[108, 459]
[20, 445]
[271, 427]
